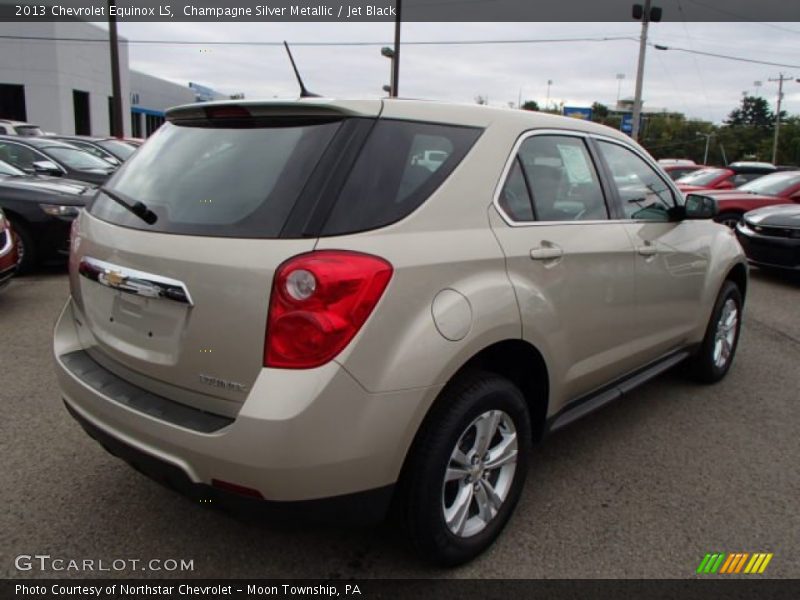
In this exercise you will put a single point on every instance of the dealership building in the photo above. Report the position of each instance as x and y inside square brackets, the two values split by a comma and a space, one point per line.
[58, 76]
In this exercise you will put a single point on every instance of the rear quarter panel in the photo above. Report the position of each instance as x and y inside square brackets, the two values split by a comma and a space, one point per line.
[446, 244]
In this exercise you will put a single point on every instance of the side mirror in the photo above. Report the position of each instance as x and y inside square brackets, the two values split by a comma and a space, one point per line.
[726, 185]
[46, 167]
[700, 207]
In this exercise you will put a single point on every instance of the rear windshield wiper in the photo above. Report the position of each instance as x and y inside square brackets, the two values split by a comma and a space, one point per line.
[138, 208]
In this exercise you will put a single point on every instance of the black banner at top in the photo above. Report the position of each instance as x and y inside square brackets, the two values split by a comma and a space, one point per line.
[385, 10]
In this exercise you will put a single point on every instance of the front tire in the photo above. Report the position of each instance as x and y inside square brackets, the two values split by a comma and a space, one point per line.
[467, 468]
[715, 356]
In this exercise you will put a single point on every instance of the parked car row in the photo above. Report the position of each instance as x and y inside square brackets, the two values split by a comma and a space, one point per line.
[45, 179]
[782, 187]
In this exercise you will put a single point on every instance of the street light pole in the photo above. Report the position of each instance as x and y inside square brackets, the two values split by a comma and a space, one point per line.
[637, 100]
[396, 57]
[708, 137]
[117, 128]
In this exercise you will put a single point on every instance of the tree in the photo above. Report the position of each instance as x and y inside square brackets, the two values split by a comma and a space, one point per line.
[481, 99]
[530, 105]
[754, 111]
[599, 111]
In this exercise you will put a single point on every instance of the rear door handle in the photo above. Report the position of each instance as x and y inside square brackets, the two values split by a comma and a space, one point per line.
[547, 251]
[647, 249]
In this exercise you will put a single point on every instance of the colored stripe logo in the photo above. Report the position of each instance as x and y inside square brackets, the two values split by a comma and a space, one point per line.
[736, 562]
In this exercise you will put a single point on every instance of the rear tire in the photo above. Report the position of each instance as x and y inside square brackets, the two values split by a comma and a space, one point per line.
[26, 250]
[461, 485]
[715, 356]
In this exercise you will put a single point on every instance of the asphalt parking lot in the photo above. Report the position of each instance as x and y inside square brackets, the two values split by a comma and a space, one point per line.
[642, 489]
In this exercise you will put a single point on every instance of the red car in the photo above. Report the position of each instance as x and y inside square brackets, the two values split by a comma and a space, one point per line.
[677, 168]
[777, 188]
[724, 178]
[8, 251]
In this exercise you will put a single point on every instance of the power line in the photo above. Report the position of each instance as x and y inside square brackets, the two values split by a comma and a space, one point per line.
[409, 43]
[360, 43]
[725, 56]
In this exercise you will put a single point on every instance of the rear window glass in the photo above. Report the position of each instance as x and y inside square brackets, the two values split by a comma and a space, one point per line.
[402, 163]
[218, 181]
[28, 130]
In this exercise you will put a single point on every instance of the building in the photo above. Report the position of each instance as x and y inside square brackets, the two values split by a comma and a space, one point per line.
[149, 98]
[58, 76]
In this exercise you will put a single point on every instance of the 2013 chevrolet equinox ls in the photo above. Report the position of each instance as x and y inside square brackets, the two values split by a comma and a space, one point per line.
[285, 300]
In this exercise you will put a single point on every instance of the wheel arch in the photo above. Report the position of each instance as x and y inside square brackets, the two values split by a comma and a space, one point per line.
[517, 360]
[738, 275]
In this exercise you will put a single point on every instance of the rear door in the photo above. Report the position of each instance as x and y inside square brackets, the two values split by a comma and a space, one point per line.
[572, 267]
[177, 301]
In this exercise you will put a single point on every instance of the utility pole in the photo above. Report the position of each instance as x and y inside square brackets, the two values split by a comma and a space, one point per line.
[547, 102]
[395, 84]
[780, 79]
[117, 128]
[646, 14]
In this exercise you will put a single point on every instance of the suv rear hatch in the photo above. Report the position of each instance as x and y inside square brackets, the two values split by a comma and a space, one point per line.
[173, 289]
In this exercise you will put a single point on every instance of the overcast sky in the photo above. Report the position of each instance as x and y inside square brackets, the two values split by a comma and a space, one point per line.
[582, 72]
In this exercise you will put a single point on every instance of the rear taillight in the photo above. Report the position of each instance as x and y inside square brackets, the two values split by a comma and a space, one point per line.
[319, 302]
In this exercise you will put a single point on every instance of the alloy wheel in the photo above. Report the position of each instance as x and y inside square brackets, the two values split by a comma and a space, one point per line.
[480, 473]
[725, 335]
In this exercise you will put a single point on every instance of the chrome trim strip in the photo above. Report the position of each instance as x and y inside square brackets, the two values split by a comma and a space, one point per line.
[569, 133]
[131, 281]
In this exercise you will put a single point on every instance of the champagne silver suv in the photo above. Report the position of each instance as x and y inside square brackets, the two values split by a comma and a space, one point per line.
[286, 301]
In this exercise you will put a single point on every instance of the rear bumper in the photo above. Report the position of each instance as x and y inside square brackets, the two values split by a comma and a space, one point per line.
[368, 506]
[300, 435]
[769, 251]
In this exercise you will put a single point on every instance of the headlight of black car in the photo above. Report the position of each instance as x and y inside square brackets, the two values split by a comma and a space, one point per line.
[61, 210]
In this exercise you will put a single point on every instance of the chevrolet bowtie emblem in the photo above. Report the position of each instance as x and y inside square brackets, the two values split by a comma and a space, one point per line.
[115, 278]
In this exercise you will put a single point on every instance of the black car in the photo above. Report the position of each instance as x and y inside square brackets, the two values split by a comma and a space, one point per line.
[770, 236]
[109, 149]
[46, 156]
[41, 211]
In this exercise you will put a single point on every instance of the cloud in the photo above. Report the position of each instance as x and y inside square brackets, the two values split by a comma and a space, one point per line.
[582, 72]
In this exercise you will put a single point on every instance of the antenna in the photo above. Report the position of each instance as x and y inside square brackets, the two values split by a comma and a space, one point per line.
[304, 93]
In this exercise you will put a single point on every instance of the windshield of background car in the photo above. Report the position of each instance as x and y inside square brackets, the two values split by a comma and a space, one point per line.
[772, 185]
[702, 177]
[77, 159]
[118, 149]
[7, 169]
[221, 181]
